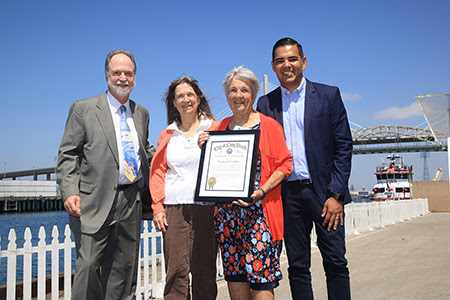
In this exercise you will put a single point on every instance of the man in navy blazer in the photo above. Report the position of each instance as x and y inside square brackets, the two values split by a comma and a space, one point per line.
[318, 135]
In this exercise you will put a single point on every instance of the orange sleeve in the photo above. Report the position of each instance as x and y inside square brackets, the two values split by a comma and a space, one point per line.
[275, 144]
[158, 171]
[276, 157]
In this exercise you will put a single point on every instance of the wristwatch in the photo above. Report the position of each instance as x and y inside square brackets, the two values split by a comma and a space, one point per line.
[336, 196]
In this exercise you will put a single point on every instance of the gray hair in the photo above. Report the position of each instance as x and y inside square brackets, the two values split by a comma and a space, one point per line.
[115, 52]
[244, 75]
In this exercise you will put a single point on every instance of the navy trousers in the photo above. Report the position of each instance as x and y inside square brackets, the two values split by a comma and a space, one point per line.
[302, 209]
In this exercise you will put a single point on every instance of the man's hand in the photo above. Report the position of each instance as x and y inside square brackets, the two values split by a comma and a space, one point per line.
[72, 204]
[333, 211]
[160, 221]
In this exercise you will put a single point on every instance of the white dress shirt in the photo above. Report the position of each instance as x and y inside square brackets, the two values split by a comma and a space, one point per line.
[294, 129]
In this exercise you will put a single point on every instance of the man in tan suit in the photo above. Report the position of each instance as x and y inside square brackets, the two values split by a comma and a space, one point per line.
[105, 203]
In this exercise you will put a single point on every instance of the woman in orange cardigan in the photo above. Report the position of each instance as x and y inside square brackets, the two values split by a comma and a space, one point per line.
[250, 234]
[188, 227]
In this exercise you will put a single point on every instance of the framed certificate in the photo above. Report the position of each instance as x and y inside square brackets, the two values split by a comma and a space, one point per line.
[227, 166]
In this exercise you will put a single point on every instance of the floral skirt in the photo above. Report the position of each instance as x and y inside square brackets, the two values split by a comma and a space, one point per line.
[248, 252]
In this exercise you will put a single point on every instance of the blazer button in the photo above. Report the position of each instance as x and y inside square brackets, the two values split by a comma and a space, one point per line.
[115, 188]
[117, 167]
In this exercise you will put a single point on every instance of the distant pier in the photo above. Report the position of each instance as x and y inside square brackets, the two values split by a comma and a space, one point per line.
[30, 204]
[29, 195]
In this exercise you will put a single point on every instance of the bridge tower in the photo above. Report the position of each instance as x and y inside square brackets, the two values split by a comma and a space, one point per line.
[436, 110]
[426, 173]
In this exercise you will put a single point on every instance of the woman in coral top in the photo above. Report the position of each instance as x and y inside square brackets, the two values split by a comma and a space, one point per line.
[188, 227]
[250, 234]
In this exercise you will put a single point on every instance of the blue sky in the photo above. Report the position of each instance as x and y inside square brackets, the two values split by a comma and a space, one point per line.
[381, 54]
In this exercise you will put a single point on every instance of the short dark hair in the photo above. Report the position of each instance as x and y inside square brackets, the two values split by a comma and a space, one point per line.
[287, 42]
[115, 52]
[172, 112]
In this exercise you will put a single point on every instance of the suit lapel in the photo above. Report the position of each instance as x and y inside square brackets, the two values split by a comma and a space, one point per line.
[309, 105]
[139, 125]
[137, 118]
[278, 111]
[106, 123]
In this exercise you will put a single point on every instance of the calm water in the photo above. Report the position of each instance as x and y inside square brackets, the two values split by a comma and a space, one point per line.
[361, 200]
[20, 221]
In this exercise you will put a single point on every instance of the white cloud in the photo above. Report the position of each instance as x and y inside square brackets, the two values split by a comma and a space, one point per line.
[399, 113]
[350, 97]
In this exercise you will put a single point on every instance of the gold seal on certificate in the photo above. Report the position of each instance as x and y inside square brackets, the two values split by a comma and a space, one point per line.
[211, 182]
[227, 166]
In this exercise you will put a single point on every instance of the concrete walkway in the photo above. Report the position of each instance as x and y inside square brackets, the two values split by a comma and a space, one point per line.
[408, 260]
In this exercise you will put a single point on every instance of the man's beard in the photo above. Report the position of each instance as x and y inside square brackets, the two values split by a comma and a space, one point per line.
[120, 88]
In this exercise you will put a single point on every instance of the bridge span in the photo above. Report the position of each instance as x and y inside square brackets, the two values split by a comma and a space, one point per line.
[389, 139]
[28, 173]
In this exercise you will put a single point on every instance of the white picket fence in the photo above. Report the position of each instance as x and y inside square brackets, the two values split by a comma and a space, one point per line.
[150, 285]
[359, 217]
[367, 216]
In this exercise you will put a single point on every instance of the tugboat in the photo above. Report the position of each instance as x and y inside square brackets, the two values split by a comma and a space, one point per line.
[393, 180]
